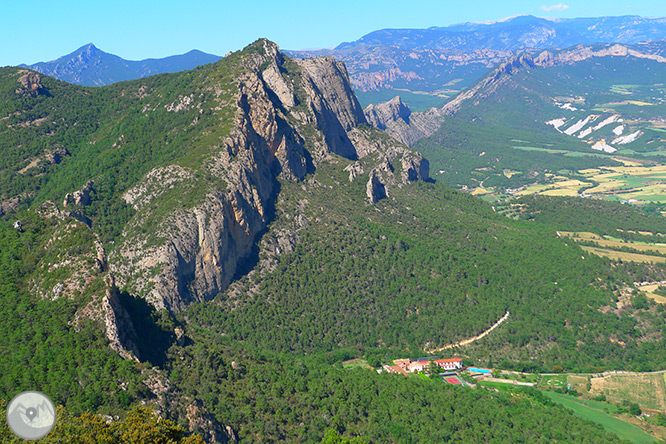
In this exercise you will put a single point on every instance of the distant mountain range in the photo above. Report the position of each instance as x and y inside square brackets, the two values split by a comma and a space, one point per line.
[519, 32]
[91, 66]
[442, 61]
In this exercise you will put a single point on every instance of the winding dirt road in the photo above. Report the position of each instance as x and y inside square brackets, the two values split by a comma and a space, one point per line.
[472, 339]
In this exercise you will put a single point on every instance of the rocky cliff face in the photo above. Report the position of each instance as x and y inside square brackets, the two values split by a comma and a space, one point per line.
[288, 117]
[401, 123]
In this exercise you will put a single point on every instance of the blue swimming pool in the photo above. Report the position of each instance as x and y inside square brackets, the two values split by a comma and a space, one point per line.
[479, 370]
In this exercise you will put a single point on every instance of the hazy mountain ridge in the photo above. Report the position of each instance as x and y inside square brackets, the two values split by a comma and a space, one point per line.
[91, 66]
[374, 67]
[520, 32]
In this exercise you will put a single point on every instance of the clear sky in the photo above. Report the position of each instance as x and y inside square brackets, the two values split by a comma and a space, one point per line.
[41, 30]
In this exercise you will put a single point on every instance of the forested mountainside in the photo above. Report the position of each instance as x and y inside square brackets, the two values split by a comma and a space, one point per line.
[214, 242]
[91, 66]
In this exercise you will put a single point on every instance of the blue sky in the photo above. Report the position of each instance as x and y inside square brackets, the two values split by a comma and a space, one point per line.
[41, 30]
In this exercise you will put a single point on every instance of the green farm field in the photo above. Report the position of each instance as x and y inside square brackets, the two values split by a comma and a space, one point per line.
[594, 411]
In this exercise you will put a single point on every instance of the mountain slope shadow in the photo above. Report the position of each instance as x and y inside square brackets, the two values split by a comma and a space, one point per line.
[154, 329]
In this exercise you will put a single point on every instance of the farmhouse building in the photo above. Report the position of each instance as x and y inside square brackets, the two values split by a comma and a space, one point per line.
[418, 366]
[449, 364]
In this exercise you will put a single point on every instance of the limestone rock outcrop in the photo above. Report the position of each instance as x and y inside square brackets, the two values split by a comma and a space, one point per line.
[31, 83]
[401, 123]
[80, 197]
[374, 189]
[289, 116]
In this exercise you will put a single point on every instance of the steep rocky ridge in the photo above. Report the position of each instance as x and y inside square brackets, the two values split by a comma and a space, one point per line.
[400, 122]
[188, 170]
[288, 117]
[193, 162]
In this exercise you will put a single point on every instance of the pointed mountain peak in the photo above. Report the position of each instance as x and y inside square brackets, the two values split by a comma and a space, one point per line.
[89, 48]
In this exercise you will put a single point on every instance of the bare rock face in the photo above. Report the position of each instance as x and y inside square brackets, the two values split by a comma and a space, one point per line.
[118, 325]
[415, 168]
[31, 83]
[374, 189]
[355, 170]
[55, 155]
[200, 420]
[10, 205]
[383, 113]
[80, 197]
[280, 108]
[332, 101]
[401, 123]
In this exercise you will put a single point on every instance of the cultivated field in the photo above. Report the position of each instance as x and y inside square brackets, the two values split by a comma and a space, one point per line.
[624, 256]
[632, 182]
[609, 247]
[594, 412]
[646, 389]
[356, 363]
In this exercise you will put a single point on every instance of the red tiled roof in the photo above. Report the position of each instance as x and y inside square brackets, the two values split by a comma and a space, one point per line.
[397, 369]
[442, 361]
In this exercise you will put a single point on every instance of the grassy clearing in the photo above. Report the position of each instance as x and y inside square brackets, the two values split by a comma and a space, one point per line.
[478, 191]
[580, 235]
[591, 410]
[356, 363]
[552, 381]
[578, 383]
[510, 173]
